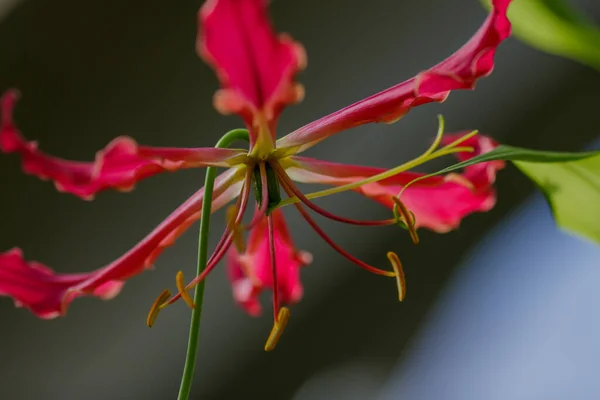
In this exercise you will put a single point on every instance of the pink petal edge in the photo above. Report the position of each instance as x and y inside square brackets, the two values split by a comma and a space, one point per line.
[120, 165]
[461, 70]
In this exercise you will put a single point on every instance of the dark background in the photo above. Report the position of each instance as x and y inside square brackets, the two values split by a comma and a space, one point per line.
[92, 70]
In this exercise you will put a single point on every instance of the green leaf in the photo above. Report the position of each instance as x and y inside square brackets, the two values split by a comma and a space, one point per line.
[573, 192]
[570, 182]
[554, 27]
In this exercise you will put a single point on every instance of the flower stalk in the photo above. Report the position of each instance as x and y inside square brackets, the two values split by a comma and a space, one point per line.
[194, 336]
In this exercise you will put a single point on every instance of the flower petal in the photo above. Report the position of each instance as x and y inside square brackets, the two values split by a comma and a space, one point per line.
[119, 165]
[459, 71]
[250, 273]
[439, 202]
[47, 294]
[255, 66]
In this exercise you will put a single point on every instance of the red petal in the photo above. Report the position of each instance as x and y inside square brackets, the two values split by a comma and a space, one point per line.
[119, 165]
[47, 294]
[460, 71]
[250, 273]
[439, 203]
[255, 66]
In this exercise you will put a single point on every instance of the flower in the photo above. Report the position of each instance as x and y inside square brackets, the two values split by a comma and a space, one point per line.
[257, 69]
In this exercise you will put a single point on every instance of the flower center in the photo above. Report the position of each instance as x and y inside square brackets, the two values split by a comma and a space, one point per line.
[273, 190]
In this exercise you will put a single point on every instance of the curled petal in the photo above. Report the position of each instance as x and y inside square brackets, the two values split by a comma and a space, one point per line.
[255, 66]
[439, 203]
[119, 165]
[250, 273]
[38, 288]
[47, 294]
[459, 71]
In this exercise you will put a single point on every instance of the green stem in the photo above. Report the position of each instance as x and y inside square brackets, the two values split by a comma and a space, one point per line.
[209, 181]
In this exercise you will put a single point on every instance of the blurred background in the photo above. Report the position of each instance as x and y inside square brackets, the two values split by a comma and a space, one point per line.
[502, 308]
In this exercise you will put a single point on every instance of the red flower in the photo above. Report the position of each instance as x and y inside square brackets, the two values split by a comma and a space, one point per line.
[257, 69]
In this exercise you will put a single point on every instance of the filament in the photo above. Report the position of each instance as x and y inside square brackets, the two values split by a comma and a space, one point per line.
[423, 158]
[223, 245]
[334, 245]
[273, 258]
[297, 193]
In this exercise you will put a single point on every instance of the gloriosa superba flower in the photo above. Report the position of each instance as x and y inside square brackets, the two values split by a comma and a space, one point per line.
[257, 70]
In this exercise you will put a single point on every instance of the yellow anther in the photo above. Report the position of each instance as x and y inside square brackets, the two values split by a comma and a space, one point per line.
[238, 237]
[400, 279]
[184, 294]
[408, 218]
[278, 327]
[156, 307]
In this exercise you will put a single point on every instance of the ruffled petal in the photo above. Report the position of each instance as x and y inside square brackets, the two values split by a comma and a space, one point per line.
[459, 71]
[256, 67]
[439, 202]
[47, 294]
[120, 165]
[250, 273]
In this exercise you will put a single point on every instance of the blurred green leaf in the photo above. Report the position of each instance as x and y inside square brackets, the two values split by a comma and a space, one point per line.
[573, 191]
[570, 182]
[554, 27]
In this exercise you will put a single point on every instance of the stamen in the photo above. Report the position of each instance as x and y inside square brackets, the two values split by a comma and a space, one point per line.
[222, 246]
[331, 243]
[438, 137]
[425, 157]
[278, 327]
[285, 178]
[214, 260]
[400, 279]
[182, 291]
[407, 217]
[461, 139]
[271, 230]
[238, 237]
[156, 307]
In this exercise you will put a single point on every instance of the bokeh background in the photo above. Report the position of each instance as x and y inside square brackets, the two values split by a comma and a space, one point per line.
[505, 307]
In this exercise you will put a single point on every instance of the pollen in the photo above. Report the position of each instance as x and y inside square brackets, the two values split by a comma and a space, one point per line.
[179, 281]
[278, 327]
[400, 279]
[156, 307]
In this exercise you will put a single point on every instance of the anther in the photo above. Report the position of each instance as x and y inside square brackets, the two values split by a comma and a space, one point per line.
[400, 279]
[407, 217]
[236, 231]
[278, 327]
[156, 307]
[181, 288]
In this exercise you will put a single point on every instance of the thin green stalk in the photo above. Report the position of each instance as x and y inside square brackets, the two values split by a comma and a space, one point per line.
[209, 181]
